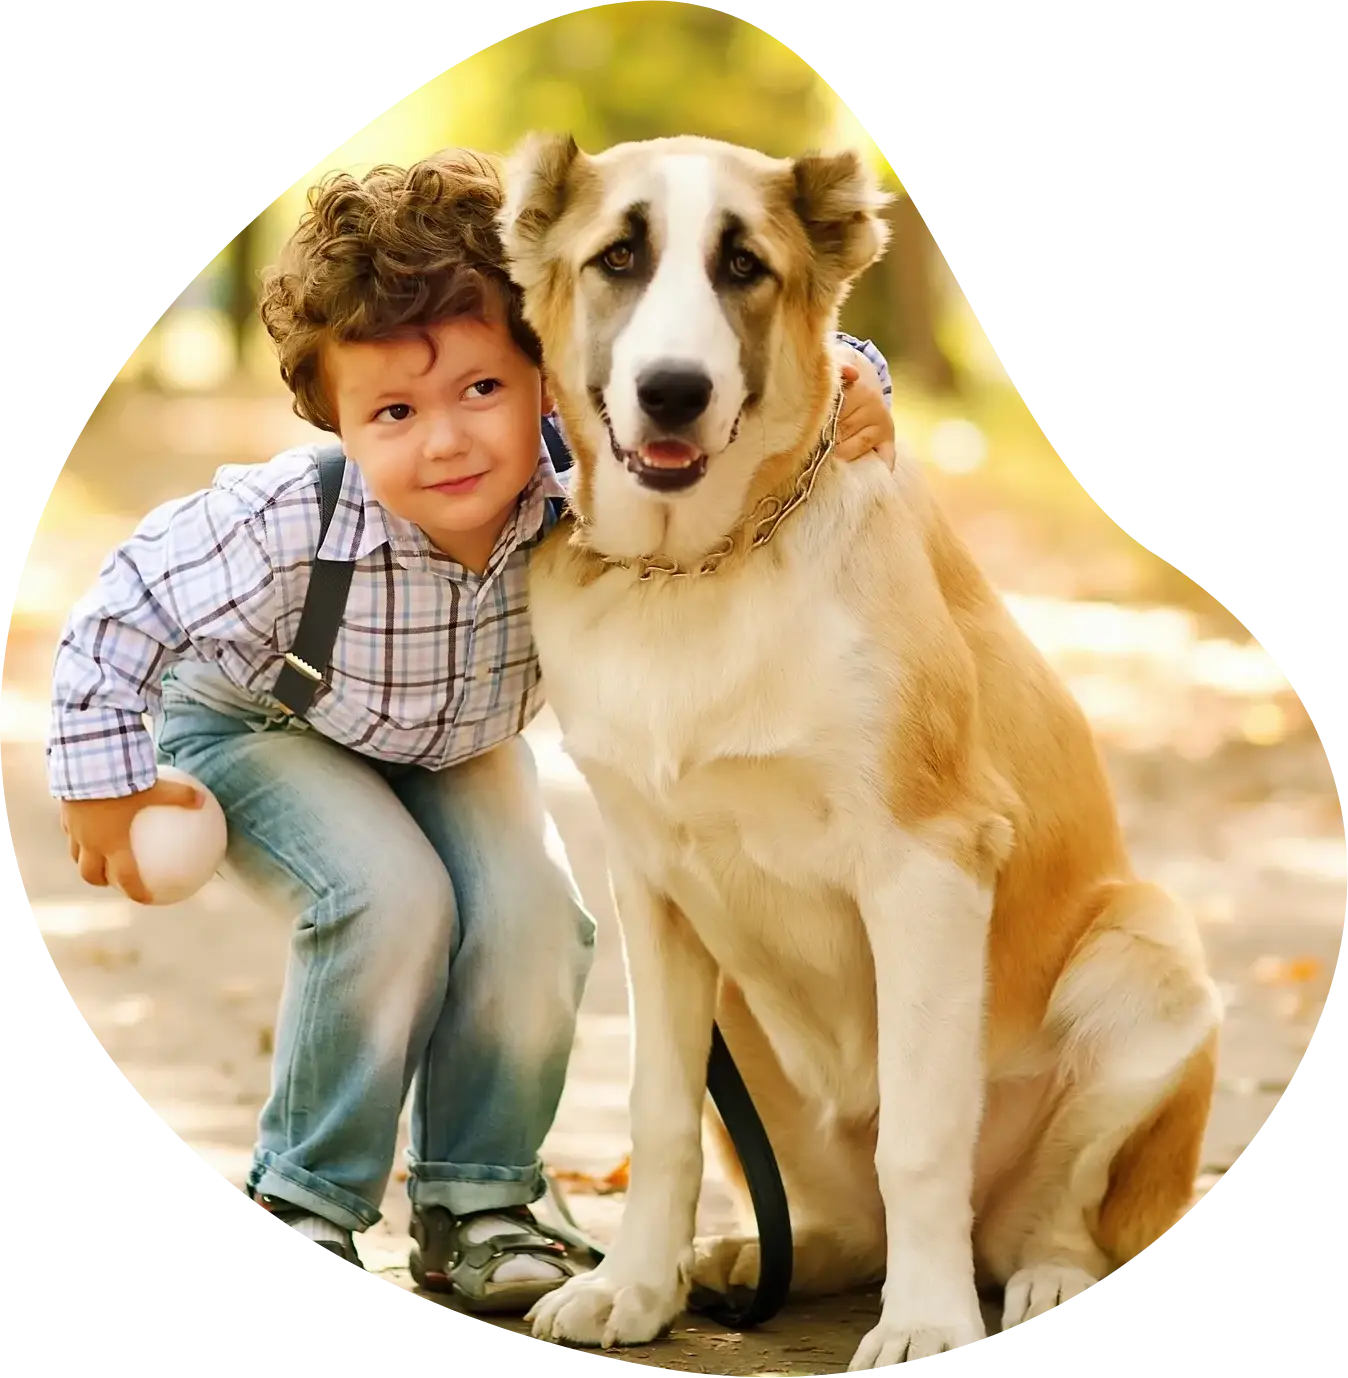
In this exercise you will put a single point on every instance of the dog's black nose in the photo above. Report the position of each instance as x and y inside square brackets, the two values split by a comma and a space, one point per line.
[672, 394]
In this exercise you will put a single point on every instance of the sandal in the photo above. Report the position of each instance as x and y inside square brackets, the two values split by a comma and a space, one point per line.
[443, 1259]
[334, 1238]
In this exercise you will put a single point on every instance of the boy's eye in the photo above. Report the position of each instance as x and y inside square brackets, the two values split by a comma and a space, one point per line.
[396, 411]
[484, 387]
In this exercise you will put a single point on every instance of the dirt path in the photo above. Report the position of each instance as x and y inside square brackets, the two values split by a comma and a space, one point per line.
[183, 998]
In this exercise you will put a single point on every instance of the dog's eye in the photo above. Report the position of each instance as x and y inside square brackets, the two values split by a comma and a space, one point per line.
[743, 266]
[618, 258]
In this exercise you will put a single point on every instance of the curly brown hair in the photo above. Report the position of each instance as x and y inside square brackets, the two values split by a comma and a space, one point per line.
[394, 251]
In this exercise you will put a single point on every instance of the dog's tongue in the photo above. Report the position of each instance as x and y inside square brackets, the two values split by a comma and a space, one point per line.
[669, 454]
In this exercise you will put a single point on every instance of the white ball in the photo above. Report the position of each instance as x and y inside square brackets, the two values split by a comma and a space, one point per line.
[177, 850]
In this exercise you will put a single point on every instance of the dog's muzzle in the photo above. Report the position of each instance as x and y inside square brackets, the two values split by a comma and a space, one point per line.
[673, 398]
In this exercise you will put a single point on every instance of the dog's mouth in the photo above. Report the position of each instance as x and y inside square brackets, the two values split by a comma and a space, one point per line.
[668, 465]
[665, 465]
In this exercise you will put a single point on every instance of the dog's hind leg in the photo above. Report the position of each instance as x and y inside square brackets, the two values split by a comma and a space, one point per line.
[829, 1174]
[1133, 1020]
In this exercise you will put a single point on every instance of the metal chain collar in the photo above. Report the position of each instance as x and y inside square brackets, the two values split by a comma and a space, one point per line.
[768, 516]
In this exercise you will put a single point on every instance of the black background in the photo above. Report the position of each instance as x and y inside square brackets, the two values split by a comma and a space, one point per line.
[1114, 226]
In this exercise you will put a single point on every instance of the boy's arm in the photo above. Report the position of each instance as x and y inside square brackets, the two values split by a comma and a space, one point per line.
[194, 571]
[866, 421]
[881, 363]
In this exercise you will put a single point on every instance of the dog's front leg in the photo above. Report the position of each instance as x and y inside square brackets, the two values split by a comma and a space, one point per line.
[642, 1284]
[927, 920]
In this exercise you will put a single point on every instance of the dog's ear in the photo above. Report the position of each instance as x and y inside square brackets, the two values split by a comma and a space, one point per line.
[839, 201]
[537, 177]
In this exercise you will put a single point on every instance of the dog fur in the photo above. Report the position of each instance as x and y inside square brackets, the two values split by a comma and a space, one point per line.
[850, 811]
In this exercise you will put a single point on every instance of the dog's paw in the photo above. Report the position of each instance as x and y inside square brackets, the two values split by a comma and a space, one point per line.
[1040, 1288]
[605, 1311]
[726, 1264]
[901, 1343]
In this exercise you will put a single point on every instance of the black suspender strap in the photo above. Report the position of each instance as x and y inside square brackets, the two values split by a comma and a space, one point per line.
[561, 462]
[307, 661]
[557, 451]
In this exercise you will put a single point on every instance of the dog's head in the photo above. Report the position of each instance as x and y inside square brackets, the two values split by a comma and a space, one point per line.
[684, 291]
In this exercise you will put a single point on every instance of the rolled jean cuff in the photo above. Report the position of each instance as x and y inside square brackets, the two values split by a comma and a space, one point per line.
[270, 1177]
[462, 1188]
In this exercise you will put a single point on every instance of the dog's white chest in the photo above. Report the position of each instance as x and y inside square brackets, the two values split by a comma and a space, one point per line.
[717, 712]
[726, 753]
[724, 733]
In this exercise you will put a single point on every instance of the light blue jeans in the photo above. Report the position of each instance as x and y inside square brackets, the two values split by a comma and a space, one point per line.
[438, 938]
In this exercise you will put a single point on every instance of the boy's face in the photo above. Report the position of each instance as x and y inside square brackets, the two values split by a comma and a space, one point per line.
[445, 437]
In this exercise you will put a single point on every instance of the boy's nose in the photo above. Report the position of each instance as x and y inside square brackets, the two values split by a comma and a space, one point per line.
[445, 438]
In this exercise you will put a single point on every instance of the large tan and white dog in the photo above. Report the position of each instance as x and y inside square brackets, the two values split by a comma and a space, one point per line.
[850, 811]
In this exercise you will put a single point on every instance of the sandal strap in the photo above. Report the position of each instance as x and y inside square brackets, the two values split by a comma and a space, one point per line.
[499, 1246]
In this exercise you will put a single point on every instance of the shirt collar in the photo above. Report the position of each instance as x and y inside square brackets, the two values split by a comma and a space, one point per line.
[540, 501]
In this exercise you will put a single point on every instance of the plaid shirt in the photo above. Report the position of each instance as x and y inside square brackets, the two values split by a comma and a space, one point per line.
[433, 664]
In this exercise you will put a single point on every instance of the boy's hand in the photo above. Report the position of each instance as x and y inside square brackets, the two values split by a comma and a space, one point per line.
[865, 422]
[100, 833]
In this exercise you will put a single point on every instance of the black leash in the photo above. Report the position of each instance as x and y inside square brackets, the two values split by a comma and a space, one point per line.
[306, 666]
[775, 1244]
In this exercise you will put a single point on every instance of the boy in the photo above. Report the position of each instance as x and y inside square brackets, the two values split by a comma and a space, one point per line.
[438, 936]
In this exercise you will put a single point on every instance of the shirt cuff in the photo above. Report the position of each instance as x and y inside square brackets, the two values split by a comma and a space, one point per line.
[99, 753]
[881, 363]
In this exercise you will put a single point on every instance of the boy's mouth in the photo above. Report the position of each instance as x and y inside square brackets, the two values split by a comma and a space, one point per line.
[457, 486]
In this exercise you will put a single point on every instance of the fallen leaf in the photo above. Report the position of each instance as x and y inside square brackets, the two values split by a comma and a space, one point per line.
[586, 1184]
[111, 958]
[1271, 970]
[266, 1041]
